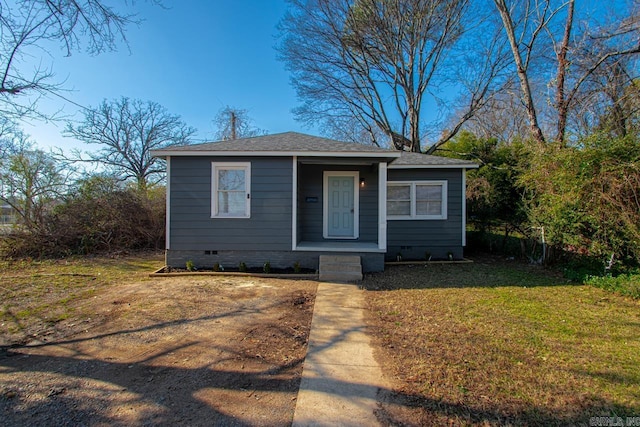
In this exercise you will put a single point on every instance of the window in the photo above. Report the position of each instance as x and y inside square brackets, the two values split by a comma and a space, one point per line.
[231, 184]
[417, 200]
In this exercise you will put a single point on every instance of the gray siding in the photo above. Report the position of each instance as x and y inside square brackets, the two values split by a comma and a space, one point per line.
[412, 238]
[192, 227]
[310, 181]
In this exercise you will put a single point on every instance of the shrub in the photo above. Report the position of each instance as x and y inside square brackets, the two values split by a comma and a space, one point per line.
[585, 196]
[625, 284]
[94, 220]
[242, 267]
[190, 266]
[267, 267]
[580, 268]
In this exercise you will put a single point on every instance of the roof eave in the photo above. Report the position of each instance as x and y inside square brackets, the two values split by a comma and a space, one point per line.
[460, 166]
[208, 153]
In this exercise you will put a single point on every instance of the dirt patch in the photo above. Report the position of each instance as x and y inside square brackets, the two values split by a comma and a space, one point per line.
[194, 351]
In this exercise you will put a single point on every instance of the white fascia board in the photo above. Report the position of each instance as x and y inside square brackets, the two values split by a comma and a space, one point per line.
[167, 217]
[193, 153]
[392, 166]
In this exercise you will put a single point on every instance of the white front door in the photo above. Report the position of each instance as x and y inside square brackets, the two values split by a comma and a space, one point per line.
[340, 219]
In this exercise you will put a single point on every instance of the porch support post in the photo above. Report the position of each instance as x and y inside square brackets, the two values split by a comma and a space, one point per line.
[294, 204]
[382, 206]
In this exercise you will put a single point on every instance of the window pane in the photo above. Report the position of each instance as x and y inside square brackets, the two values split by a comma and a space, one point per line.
[398, 208]
[231, 203]
[231, 179]
[429, 192]
[398, 192]
[428, 208]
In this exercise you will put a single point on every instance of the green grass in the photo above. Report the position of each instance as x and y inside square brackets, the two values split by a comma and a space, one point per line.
[36, 295]
[625, 284]
[496, 343]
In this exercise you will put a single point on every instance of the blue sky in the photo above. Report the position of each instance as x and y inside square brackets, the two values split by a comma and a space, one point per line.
[192, 57]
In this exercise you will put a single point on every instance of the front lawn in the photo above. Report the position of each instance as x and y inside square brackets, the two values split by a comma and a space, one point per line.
[37, 298]
[502, 343]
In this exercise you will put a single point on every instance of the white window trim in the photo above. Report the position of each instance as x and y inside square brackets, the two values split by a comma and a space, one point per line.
[413, 215]
[214, 187]
[356, 204]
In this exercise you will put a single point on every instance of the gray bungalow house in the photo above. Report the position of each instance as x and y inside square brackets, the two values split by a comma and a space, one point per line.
[291, 197]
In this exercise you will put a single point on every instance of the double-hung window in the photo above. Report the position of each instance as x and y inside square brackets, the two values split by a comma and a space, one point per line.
[417, 200]
[231, 190]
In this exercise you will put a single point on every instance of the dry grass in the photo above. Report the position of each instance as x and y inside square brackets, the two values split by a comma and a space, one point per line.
[492, 343]
[135, 350]
[35, 296]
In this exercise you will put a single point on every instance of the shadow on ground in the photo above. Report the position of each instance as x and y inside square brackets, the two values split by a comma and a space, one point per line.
[88, 391]
[238, 367]
[482, 273]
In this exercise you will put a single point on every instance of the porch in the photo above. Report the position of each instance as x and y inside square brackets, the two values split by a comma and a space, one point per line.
[339, 205]
[327, 246]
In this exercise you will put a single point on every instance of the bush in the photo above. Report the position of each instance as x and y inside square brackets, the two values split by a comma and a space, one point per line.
[580, 268]
[94, 222]
[625, 284]
[585, 196]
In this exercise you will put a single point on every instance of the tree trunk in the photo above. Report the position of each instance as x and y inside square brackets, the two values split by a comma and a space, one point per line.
[234, 135]
[400, 141]
[527, 97]
[562, 104]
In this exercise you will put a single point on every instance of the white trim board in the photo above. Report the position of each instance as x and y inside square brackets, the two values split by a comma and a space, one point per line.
[337, 154]
[167, 217]
[392, 166]
[382, 206]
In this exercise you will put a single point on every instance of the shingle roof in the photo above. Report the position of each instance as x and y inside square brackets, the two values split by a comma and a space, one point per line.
[294, 143]
[408, 160]
[282, 142]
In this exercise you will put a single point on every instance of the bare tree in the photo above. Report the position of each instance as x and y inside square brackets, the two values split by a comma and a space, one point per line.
[11, 138]
[127, 130]
[234, 123]
[375, 61]
[31, 181]
[536, 27]
[533, 21]
[503, 117]
[27, 30]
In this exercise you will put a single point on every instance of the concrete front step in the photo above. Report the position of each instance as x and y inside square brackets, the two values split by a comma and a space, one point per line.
[340, 268]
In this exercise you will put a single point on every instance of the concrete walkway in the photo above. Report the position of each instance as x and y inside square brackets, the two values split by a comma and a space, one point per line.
[340, 379]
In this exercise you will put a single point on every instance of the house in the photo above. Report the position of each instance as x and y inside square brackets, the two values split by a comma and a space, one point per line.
[291, 197]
